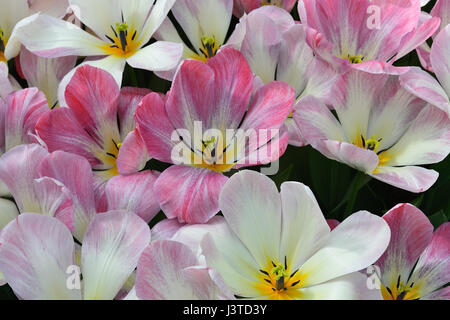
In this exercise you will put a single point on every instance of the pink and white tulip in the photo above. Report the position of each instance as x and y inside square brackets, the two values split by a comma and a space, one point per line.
[215, 95]
[275, 245]
[110, 251]
[246, 6]
[89, 126]
[381, 129]
[205, 23]
[276, 49]
[369, 35]
[416, 264]
[425, 86]
[121, 28]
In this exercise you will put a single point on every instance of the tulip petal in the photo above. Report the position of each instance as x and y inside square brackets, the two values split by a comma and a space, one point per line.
[111, 248]
[35, 254]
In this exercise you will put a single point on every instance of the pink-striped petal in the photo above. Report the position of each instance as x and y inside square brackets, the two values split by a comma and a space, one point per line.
[35, 255]
[111, 249]
[188, 193]
[440, 52]
[55, 200]
[410, 178]
[18, 169]
[166, 271]
[74, 172]
[426, 87]
[155, 127]
[216, 93]
[23, 110]
[433, 268]
[129, 100]
[411, 232]
[134, 193]
[133, 154]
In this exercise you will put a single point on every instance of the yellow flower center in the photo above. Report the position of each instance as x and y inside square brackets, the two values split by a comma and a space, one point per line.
[109, 158]
[373, 144]
[209, 48]
[213, 155]
[124, 41]
[278, 3]
[355, 59]
[400, 291]
[3, 42]
[279, 282]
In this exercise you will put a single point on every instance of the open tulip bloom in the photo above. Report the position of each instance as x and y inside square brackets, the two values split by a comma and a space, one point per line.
[216, 96]
[37, 256]
[177, 181]
[366, 34]
[416, 264]
[281, 53]
[275, 245]
[381, 129]
[122, 28]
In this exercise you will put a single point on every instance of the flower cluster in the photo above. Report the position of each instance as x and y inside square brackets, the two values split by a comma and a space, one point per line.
[113, 187]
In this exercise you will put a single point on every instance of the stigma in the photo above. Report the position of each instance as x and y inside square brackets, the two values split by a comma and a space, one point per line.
[370, 144]
[209, 47]
[123, 40]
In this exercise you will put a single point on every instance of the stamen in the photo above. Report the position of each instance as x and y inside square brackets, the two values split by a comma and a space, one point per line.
[264, 272]
[209, 48]
[355, 59]
[122, 28]
[295, 283]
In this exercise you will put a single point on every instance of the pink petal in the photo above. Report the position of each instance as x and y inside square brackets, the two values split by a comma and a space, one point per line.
[93, 95]
[411, 232]
[23, 110]
[133, 154]
[164, 272]
[129, 100]
[410, 178]
[332, 223]
[426, 87]
[55, 200]
[18, 169]
[75, 173]
[111, 248]
[133, 193]
[165, 229]
[354, 156]
[419, 36]
[155, 127]
[45, 73]
[59, 130]
[188, 193]
[35, 254]
[440, 52]
[216, 93]
[433, 267]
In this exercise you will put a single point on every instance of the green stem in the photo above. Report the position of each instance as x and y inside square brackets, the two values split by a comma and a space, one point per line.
[360, 180]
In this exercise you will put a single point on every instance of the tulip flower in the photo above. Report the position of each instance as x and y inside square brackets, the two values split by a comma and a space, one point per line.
[216, 96]
[121, 31]
[381, 129]
[369, 35]
[420, 83]
[205, 23]
[246, 6]
[440, 10]
[416, 263]
[98, 124]
[279, 246]
[284, 56]
[110, 251]
[11, 15]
